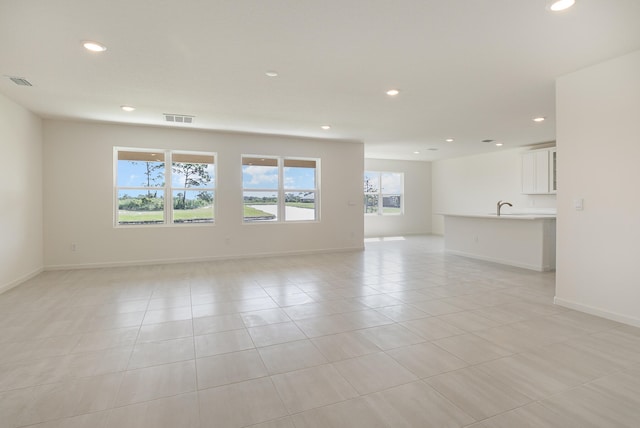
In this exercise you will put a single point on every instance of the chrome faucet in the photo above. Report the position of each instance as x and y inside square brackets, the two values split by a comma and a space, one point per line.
[499, 206]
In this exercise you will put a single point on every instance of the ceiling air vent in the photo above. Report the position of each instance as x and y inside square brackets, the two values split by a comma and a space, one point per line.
[20, 81]
[178, 118]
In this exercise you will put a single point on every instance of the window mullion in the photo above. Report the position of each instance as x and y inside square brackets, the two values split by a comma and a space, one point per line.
[380, 197]
[281, 203]
[168, 192]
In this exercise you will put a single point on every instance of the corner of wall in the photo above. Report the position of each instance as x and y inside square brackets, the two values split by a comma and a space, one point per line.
[21, 228]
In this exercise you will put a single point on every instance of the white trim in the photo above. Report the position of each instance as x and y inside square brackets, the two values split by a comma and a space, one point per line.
[380, 194]
[6, 287]
[597, 312]
[281, 190]
[537, 268]
[167, 189]
[201, 259]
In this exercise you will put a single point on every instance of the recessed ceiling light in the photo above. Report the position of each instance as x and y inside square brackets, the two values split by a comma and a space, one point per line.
[393, 92]
[449, 140]
[416, 153]
[127, 108]
[271, 73]
[94, 46]
[539, 119]
[558, 5]
[326, 127]
[498, 144]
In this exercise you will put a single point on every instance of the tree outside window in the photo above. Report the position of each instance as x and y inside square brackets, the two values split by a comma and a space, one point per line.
[163, 187]
[192, 181]
[383, 193]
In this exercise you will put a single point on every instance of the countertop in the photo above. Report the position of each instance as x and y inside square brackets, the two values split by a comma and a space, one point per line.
[505, 216]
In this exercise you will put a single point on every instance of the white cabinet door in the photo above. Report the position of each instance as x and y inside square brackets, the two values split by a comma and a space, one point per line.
[537, 175]
[553, 176]
[542, 171]
[528, 172]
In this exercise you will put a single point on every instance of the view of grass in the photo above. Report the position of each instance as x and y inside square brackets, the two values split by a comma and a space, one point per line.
[310, 205]
[392, 210]
[202, 214]
[125, 217]
[250, 212]
[137, 217]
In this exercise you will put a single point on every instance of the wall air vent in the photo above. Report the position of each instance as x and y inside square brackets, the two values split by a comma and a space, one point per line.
[20, 81]
[178, 118]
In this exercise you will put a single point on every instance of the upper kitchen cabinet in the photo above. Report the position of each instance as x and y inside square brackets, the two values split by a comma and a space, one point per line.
[553, 175]
[539, 171]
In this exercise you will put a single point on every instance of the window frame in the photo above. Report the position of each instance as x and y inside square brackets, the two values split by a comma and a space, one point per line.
[167, 188]
[381, 195]
[281, 190]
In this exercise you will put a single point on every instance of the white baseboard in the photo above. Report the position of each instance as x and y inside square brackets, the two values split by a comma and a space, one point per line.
[15, 283]
[500, 261]
[198, 259]
[597, 312]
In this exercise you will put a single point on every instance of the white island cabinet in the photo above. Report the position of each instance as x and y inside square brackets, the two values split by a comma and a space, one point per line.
[522, 240]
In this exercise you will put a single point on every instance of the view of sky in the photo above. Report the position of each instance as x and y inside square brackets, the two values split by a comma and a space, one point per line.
[390, 182]
[132, 174]
[266, 177]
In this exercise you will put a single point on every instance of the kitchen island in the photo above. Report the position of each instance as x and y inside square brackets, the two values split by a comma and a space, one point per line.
[523, 240]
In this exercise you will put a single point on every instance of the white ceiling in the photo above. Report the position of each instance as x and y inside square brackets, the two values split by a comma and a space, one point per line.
[466, 69]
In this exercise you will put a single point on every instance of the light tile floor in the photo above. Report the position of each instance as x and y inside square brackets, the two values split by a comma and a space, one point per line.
[400, 335]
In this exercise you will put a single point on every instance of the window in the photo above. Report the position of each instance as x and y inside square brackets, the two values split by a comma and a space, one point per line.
[383, 193]
[192, 184]
[279, 189]
[260, 178]
[163, 187]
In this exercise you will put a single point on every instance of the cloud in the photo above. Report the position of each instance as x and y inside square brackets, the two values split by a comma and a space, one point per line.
[134, 180]
[267, 175]
[391, 183]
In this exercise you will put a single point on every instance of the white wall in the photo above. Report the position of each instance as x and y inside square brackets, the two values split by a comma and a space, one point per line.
[598, 135]
[417, 200]
[474, 184]
[21, 242]
[78, 199]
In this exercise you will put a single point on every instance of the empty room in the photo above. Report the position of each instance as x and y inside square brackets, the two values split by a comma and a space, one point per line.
[297, 214]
